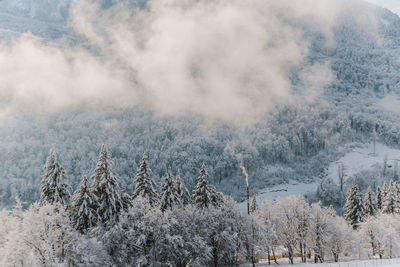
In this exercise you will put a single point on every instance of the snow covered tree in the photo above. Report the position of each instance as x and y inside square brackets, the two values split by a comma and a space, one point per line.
[105, 188]
[182, 191]
[169, 197]
[83, 207]
[53, 188]
[354, 208]
[204, 194]
[391, 201]
[379, 200]
[144, 184]
[369, 203]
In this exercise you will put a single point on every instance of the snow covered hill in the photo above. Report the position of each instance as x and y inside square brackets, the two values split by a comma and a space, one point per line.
[286, 152]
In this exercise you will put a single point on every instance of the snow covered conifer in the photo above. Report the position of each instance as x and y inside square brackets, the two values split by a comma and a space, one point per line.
[354, 208]
[105, 188]
[201, 193]
[144, 183]
[369, 203]
[216, 197]
[53, 189]
[83, 207]
[181, 190]
[169, 197]
[378, 198]
[391, 201]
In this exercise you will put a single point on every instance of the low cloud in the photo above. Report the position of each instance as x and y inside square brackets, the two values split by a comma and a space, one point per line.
[225, 60]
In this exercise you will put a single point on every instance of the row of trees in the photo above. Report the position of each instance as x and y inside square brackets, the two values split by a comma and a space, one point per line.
[101, 225]
[385, 200]
[101, 201]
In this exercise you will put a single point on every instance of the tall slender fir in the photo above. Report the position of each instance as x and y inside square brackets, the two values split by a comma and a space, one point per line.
[354, 208]
[105, 188]
[144, 183]
[53, 188]
[182, 191]
[83, 207]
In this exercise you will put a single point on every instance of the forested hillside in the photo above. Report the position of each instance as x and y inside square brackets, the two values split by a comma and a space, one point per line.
[293, 142]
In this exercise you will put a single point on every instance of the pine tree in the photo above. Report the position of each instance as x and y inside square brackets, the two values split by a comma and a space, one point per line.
[369, 203]
[354, 209]
[169, 197]
[204, 194]
[378, 198]
[254, 206]
[145, 184]
[201, 193]
[53, 189]
[216, 197]
[391, 202]
[83, 207]
[182, 191]
[105, 188]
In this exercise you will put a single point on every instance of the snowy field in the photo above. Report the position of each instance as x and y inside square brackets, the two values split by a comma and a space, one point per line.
[282, 191]
[365, 263]
[363, 158]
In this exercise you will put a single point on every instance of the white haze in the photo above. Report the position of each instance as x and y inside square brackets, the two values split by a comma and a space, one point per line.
[222, 59]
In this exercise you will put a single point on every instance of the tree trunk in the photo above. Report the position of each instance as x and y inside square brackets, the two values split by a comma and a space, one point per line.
[269, 257]
[273, 255]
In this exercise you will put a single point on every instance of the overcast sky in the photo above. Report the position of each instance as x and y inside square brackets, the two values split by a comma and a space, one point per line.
[393, 5]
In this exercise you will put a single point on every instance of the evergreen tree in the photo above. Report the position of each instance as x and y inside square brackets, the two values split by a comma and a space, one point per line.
[354, 209]
[182, 191]
[53, 189]
[169, 197]
[369, 203]
[83, 207]
[144, 183]
[391, 202]
[201, 193]
[379, 200]
[254, 205]
[216, 197]
[105, 188]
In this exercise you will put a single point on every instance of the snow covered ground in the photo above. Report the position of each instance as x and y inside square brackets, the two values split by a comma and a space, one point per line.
[364, 263]
[390, 103]
[284, 190]
[363, 158]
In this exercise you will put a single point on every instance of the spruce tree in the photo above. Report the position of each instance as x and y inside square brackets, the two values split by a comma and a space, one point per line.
[216, 197]
[391, 201]
[369, 203]
[105, 188]
[378, 198]
[182, 191]
[83, 207]
[53, 188]
[201, 193]
[354, 208]
[169, 197]
[144, 183]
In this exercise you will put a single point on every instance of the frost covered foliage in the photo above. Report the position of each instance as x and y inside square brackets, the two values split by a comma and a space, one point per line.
[144, 235]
